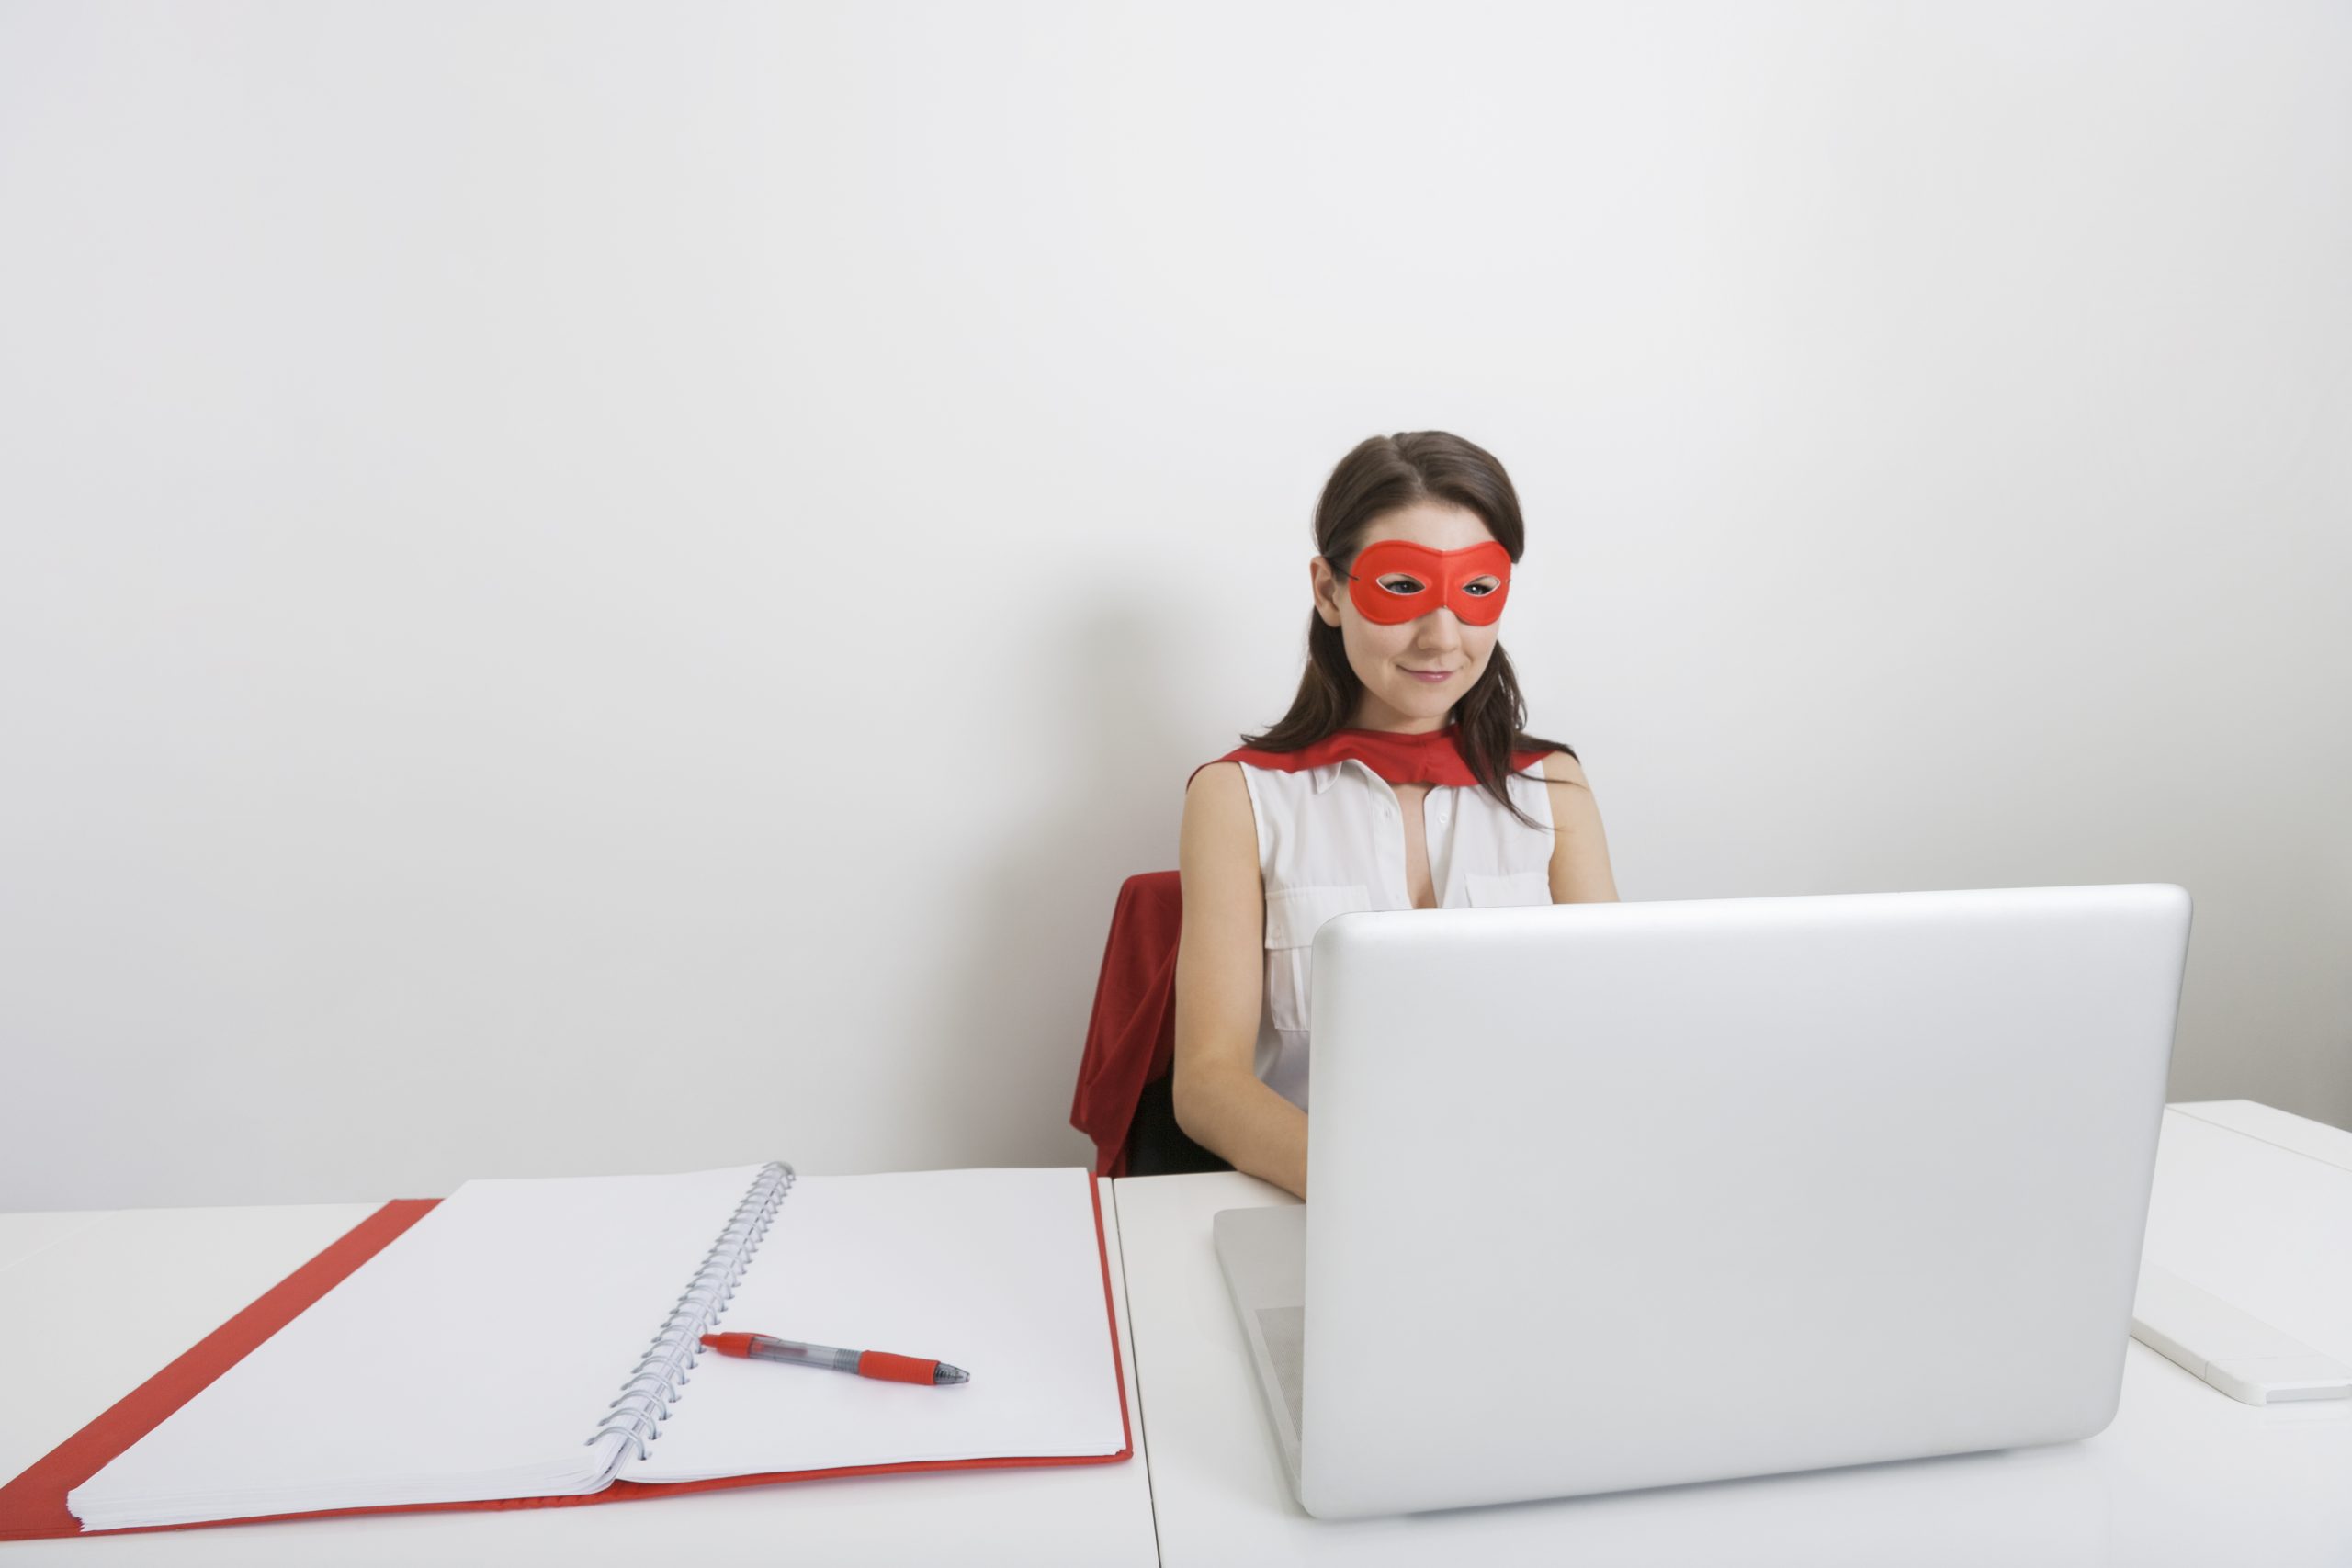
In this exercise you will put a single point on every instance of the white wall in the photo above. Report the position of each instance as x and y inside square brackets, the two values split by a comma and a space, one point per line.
[616, 588]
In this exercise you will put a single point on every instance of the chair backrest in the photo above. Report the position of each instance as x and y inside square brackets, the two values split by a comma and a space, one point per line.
[1131, 1035]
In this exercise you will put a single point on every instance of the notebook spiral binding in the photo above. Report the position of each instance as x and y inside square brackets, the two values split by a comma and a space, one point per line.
[635, 1418]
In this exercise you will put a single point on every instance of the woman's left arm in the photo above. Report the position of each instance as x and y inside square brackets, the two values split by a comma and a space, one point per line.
[1579, 855]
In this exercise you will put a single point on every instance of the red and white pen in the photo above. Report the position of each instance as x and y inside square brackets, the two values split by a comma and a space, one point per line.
[865, 1363]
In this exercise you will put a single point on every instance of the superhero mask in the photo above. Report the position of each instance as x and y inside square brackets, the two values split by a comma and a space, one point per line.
[1445, 577]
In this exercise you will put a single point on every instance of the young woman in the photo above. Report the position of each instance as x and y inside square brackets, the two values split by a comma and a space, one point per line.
[1399, 779]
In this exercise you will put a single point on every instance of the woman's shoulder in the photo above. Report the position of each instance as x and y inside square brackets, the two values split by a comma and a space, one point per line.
[1219, 823]
[1562, 768]
[1228, 769]
[1222, 775]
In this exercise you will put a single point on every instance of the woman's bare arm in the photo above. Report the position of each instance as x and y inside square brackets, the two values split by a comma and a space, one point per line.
[1580, 873]
[1220, 1101]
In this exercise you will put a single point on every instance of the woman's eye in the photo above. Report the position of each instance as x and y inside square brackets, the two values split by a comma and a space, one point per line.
[1401, 584]
[1481, 588]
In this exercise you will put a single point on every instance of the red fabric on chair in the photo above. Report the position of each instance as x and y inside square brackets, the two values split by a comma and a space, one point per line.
[1131, 1039]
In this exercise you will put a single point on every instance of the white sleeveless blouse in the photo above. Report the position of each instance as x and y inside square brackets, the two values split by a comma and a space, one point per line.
[1331, 838]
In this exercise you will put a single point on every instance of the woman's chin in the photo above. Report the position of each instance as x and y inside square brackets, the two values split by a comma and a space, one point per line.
[1425, 702]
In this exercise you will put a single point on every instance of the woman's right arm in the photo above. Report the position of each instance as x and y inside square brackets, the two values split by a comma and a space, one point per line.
[1220, 1101]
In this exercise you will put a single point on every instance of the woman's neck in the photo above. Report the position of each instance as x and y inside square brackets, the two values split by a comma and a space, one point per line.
[1398, 723]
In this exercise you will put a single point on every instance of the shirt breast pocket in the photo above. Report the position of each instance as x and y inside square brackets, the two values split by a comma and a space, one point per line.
[1510, 887]
[1293, 917]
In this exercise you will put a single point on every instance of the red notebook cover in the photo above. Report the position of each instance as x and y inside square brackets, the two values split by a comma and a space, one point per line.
[32, 1506]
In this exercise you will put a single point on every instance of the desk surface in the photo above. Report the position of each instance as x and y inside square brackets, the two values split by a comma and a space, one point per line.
[2249, 1202]
[108, 1297]
[2246, 1201]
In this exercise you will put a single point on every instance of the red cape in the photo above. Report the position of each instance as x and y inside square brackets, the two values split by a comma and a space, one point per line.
[1434, 758]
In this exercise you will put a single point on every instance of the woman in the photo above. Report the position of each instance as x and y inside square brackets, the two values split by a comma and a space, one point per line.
[1399, 779]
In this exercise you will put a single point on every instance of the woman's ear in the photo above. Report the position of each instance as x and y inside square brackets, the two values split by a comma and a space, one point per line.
[1325, 584]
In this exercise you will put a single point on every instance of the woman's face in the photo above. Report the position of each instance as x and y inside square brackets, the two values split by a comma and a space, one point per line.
[1386, 658]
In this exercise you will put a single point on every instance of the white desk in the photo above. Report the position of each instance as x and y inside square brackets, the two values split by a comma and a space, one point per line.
[2249, 1202]
[91, 1305]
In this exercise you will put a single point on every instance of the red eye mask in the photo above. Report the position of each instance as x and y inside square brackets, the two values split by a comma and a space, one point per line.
[1444, 576]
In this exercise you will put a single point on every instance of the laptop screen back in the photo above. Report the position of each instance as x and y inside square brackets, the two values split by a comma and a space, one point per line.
[1617, 1195]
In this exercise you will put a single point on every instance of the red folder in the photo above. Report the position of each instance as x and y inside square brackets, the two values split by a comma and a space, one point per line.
[33, 1505]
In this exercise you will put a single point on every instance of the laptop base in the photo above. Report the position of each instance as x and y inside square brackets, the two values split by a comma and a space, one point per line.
[1263, 1254]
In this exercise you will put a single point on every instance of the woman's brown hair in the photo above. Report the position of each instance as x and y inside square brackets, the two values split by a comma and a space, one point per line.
[1384, 474]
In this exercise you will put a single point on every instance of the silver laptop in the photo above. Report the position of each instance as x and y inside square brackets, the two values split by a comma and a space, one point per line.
[1605, 1196]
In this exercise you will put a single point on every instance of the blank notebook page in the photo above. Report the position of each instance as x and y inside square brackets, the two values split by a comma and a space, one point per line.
[472, 1358]
[997, 1271]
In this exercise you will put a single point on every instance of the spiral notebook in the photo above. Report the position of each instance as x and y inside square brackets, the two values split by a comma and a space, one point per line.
[539, 1340]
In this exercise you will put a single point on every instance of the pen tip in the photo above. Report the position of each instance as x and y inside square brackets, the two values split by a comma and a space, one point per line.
[950, 1374]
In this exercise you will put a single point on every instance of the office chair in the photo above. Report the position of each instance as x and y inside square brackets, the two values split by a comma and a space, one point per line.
[1124, 1095]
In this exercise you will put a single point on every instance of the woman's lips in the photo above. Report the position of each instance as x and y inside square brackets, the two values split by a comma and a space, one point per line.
[1431, 676]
